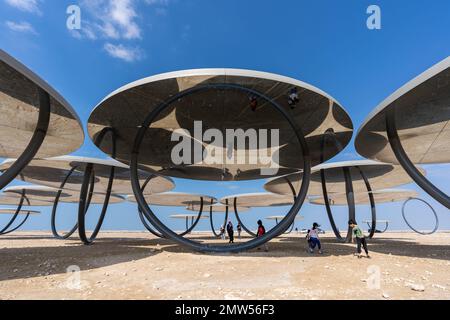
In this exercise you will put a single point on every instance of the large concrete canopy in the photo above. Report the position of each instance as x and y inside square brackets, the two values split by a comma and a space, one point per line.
[380, 196]
[422, 114]
[176, 199]
[52, 171]
[188, 216]
[277, 218]
[218, 208]
[21, 212]
[19, 110]
[380, 176]
[125, 109]
[48, 194]
[263, 199]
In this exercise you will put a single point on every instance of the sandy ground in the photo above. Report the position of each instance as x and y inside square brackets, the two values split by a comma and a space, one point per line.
[139, 266]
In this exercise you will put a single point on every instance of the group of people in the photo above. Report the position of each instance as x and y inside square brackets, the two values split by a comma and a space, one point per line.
[230, 231]
[312, 236]
[358, 236]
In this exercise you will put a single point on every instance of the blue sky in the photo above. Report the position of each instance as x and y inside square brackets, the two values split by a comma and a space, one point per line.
[325, 43]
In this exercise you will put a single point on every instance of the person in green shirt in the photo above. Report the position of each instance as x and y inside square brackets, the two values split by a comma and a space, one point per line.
[359, 237]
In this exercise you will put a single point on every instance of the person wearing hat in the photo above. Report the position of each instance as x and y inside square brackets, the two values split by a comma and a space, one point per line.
[313, 238]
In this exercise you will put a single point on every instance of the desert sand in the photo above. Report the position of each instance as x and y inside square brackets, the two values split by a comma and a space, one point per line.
[127, 265]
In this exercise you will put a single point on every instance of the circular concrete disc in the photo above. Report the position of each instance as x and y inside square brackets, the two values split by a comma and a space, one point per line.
[219, 208]
[21, 212]
[380, 175]
[19, 111]
[259, 200]
[48, 194]
[189, 216]
[380, 196]
[422, 108]
[13, 199]
[297, 218]
[176, 199]
[221, 109]
[51, 172]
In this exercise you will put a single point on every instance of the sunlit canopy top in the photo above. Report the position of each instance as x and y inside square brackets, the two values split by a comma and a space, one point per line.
[298, 218]
[176, 199]
[187, 216]
[48, 194]
[211, 99]
[21, 212]
[422, 108]
[380, 176]
[19, 110]
[264, 199]
[51, 172]
[380, 196]
[218, 208]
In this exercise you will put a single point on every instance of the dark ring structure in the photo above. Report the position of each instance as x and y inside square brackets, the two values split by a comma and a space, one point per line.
[384, 230]
[350, 202]
[55, 232]
[142, 217]
[5, 230]
[407, 164]
[88, 183]
[35, 143]
[251, 233]
[436, 227]
[284, 224]
[217, 235]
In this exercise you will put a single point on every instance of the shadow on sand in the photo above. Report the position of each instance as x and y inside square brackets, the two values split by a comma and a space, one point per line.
[42, 260]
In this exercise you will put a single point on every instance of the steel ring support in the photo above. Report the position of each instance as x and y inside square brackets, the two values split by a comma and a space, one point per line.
[284, 224]
[82, 207]
[251, 233]
[436, 226]
[35, 143]
[373, 208]
[5, 230]
[407, 164]
[217, 235]
[55, 232]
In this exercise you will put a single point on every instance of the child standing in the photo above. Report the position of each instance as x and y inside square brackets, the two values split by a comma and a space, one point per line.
[360, 238]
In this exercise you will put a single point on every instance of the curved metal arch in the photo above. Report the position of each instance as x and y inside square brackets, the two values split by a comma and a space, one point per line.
[407, 164]
[436, 227]
[56, 203]
[35, 143]
[5, 230]
[238, 218]
[193, 223]
[142, 217]
[217, 235]
[373, 208]
[89, 173]
[282, 227]
[385, 228]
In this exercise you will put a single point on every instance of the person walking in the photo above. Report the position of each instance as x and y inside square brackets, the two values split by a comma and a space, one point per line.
[230, 232]
[239, 230]
[313, 238]
[222, 233]
[360, 239]
[261, 231]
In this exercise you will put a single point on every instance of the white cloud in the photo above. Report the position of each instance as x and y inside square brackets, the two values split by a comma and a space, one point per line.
[23, 27]
[31, 6]
[114, 19]
[120, 51]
